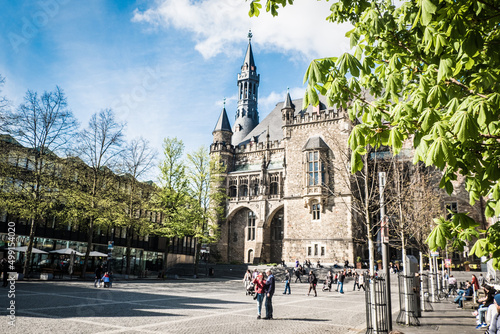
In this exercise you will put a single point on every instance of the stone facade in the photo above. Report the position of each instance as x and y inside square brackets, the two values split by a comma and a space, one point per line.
[287, 196]
[289, 185]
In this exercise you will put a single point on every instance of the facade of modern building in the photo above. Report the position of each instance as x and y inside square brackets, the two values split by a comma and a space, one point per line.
[54, 232]
[290, 191]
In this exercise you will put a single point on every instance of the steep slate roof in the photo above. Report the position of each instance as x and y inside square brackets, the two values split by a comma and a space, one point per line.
[223, 122]
[315, 143]
[249, 57]
[274, 121]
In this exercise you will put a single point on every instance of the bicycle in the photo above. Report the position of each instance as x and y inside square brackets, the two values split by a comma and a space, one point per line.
[446, 293]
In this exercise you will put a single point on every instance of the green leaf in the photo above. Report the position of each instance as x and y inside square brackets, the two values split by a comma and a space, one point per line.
[465, 126]
[356, 162]
[428, 8]
[480, 247]
[357, 137]
[396, 140]
[440, 153]
[464, 221]
[439, 235]
[445, 70]
[254, 8]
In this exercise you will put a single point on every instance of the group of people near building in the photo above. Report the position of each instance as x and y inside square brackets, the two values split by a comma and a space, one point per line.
[104, 277]
[263, 287]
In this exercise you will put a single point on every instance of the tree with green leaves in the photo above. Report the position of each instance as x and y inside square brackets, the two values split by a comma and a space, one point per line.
[432, 70]
[203, 173]
[44, 125]
[100, 146]
[172, 198]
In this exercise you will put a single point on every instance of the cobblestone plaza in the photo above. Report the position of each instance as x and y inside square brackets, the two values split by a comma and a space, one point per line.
[177, 306]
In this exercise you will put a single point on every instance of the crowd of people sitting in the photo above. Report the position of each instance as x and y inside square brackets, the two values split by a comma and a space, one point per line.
[487, 298]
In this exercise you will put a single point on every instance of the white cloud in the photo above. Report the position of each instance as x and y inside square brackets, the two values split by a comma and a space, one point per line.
[219, 26]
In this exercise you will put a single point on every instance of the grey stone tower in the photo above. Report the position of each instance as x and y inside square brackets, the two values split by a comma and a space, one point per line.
[247, 116]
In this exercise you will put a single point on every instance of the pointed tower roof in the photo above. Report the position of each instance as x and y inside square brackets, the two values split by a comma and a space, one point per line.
[223, 122]
[249, 55]
[288, 101]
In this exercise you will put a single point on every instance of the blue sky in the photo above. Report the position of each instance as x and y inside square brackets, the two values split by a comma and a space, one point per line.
[164, 66]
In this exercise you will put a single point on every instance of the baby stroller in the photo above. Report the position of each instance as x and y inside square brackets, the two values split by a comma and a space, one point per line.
[250, 289]
[326, 286]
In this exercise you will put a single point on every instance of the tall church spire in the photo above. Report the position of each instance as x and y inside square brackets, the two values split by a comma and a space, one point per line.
[247, 116]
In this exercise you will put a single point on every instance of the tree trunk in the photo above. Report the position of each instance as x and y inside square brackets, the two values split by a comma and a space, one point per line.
[29, 251]
[89, 246]
[129, 250]
[165, 259]
[197, 256]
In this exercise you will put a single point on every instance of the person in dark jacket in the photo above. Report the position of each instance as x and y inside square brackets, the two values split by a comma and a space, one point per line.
[269, 289]
[312, 280]
[341, 281]
[287, 283]
[98, 276]
[5, 271]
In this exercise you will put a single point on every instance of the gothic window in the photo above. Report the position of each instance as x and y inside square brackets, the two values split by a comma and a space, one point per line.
[274, 186]
[232, 187]
[316, 210]
[255, 186]
[243, 187]
[315, 170]
[251, 226]
[277, 226]
[453, 207]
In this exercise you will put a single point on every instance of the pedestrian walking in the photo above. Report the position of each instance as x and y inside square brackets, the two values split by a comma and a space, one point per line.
[361, 282]
[297, 274]
[5, 271]
[313, 281]
[287, 283]
[259, 292]
[356, 281]
[269, 290]
[329, 280]
[98, 276]
[341, 282]
[246, 280]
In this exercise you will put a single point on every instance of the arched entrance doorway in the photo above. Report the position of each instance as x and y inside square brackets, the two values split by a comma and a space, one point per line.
[277, 234]
[241, 236]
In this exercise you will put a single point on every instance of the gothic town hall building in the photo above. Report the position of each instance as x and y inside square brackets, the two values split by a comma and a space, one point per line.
[286, 182]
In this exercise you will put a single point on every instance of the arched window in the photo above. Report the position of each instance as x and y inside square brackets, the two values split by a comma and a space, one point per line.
[243, 190]
[250, 256]
[316, 210]
[232, 191]
[251, 225]
[277, 226]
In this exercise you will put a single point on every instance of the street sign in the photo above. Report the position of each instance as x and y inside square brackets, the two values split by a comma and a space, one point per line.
[434, 253]
[384, 229]
[447, 263]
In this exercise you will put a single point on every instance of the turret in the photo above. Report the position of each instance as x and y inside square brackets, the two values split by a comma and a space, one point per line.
[222, 132]
[247, 116]
[288, 110]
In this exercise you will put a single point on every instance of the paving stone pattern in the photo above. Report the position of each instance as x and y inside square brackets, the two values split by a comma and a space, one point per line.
[177, 306]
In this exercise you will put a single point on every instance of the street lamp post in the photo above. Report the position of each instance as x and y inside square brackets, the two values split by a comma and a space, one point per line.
[385, 249]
